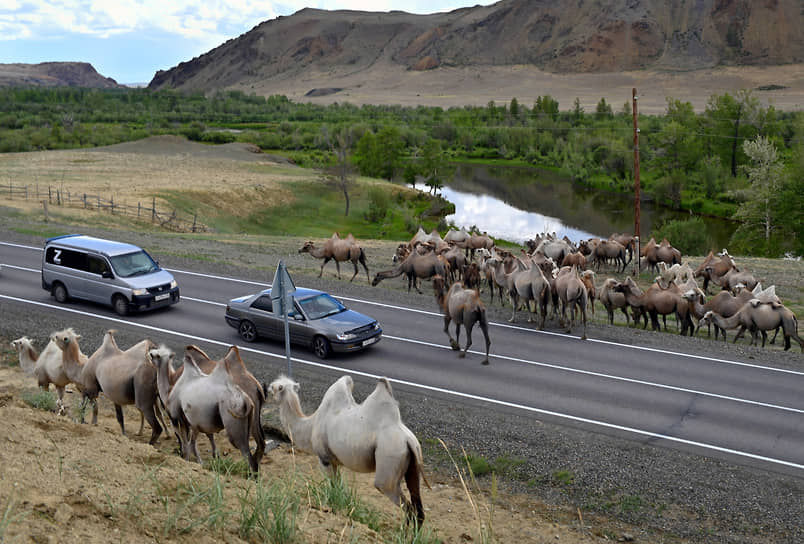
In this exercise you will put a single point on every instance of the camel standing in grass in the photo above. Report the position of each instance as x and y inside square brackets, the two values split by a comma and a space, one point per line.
[339, 250]
[611, 300]
[571, 292]
[125, 377]
[464, 307]
[209, 403]
[46, 366]
[366, 437]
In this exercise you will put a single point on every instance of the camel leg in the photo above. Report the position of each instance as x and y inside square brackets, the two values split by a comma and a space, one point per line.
[337, 267]
[458, 338]
[212, 444]
[468, 327]
[484, 326]
[453, 344]
[776, 332]
[321, 272]
[118, 410]
[59, 400]
[514, 301]
[354, 263]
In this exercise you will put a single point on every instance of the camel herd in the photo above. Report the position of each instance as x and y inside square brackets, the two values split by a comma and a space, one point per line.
[559, 274]
[206, 396]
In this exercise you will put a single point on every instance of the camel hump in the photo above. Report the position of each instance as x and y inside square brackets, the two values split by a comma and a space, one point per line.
[386, 384]
[234, 360]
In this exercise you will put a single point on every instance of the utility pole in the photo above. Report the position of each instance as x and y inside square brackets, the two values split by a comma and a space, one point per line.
[634, 98]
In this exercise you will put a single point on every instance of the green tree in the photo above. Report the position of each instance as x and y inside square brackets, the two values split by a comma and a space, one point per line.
[603, 109]
[729, 121]
[758, 215]
[433, 165]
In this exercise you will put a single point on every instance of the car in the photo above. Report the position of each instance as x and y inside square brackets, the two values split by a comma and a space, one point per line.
[317, 320]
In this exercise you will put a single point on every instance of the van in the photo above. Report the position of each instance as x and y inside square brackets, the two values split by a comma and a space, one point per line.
[117, 274]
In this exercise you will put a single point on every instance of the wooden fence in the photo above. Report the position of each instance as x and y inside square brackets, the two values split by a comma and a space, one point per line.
[59, 197]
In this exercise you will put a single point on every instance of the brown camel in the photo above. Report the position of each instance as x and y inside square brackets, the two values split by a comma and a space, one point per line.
[612, 299]
[339, 250]
[734, 277]
[464, 307]
[759, 317]
[415, 266]
[607, 251]
[719, 266]
[724, 304]
[571, 292]
[628, 241]
[525, 285]
[655, 253]
[578, 259]
[656, 301]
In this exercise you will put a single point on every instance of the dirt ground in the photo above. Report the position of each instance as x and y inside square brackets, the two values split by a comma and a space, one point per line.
[478, 86]
[62, 481]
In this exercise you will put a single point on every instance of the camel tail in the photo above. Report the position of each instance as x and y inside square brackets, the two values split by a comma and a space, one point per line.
[414, 472]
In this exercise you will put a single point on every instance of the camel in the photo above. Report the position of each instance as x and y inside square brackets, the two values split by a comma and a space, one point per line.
[628, 241]
[415, 266]
[756, 318]
[724, 304]
[457, 237]
[571, 292]
[125, 377]
[209, 403]
[719, 266]
[656, 301]
[46, 366]
[464, 307]
[663, 252]
[608, 250]
[339, 250]
[526, 284]
[612, 299]
[578, 259]
[588, 279]
[732, 277]
[366, 437]
[478, 241]
[245, 380]
[555, 249]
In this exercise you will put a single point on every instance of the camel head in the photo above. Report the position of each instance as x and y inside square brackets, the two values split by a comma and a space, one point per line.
[21, 343]
[64, 337]
[281, 385]
[707, 318]
[161, 355]
[307, 247]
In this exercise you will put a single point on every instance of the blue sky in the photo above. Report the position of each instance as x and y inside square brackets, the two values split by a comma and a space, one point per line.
[129, 40]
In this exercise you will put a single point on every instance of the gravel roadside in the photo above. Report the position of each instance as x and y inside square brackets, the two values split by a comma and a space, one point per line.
[658, 493]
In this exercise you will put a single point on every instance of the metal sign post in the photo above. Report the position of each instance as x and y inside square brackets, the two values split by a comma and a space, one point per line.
[282, 290]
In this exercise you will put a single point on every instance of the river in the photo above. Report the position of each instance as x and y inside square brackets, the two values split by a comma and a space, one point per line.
[516, 203]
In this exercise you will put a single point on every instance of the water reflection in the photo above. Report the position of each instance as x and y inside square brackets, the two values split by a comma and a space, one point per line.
[501, 220]
[516, 203]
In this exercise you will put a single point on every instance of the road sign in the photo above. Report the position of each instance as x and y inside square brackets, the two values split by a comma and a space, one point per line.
[282, 290]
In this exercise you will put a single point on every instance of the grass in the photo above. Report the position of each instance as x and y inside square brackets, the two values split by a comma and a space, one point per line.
[40, 399]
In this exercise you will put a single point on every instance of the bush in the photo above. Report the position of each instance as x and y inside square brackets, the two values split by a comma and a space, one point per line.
[379, 204]
[688, 236]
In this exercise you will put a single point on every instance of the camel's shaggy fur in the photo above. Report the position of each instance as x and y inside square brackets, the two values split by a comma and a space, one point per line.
[464, 307]
[339, 250]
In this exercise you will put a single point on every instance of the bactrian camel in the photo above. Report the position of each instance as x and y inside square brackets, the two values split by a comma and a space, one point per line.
[757, 317]
[414, 266]
[464, 307]
[571, 292]
[366, 437]
[46, 367]
[209, 403]
[339, 250]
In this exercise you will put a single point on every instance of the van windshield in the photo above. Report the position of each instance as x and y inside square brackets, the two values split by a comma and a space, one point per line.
[133, 264]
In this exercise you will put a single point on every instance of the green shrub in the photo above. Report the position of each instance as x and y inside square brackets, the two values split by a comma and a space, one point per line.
[688, 236]
[40, 399]
[378, 205]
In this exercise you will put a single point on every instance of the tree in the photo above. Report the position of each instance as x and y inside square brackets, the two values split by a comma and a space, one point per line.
[341, 171]
[603, 109]
[433, 165]
[731, 120]
[765, 173]
[379, 155]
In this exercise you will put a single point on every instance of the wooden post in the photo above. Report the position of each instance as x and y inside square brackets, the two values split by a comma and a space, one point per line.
[99, 205]
[634, 99]
[44, 205]
[11, 190]
[153, 209]
[195, 216]
[111, 203]
[58, 197]
[49, 194]
[85, 201]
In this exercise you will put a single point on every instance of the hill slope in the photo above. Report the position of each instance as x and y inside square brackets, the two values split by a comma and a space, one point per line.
[54, 74]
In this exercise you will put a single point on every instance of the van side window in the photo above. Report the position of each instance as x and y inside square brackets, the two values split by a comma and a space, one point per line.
[263, 303]
[66, 257]
[96, 265]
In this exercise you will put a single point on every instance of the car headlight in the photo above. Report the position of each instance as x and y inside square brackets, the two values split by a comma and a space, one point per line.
[174, 284]
[376, 325]
[139, 292]
[345, 336]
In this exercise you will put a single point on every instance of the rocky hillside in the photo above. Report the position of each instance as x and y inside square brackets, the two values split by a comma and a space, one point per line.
[54, 74]
[573, 36]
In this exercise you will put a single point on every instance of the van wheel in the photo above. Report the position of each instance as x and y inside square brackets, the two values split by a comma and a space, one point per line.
[321, 347]
[120, 305]
[60, 293]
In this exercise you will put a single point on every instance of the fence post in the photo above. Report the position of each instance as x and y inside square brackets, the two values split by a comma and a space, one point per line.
[26, 191]
[58, 197]
[153, 209]
[85, 201]
[99, 205]
[111, 203]
[195, 216]
[11, 190]
[44, 204]
[139, 208]
[49, 194]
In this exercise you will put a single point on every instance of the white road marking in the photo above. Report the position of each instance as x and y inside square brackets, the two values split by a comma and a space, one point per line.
[640, 432]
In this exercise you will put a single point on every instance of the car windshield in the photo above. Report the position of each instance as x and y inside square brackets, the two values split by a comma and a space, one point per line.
[320, 306]
[133, 264]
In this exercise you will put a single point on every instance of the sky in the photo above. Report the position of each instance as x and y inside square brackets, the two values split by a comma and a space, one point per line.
[129, 40]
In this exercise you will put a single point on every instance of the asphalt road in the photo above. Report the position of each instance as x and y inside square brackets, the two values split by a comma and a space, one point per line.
[729, 409]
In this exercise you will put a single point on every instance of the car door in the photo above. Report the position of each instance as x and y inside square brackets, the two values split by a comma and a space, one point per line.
[300, 328]
[99, 288]
[261, 313]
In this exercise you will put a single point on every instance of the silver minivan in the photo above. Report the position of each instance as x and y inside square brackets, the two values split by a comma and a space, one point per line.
[108, 272]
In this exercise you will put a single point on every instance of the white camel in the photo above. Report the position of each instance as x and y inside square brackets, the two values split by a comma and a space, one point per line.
[209, 403]
[46, 366]
[367, 437]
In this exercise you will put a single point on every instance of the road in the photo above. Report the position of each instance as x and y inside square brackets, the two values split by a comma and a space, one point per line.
[734, 410]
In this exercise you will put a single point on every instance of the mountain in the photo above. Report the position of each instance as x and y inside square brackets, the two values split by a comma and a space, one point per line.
[571, 36]
[54, 74]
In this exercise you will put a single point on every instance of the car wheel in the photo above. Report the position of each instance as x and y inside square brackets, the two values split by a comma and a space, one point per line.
[321, 347]
[247, 331]
[60, 293]
[120, 305]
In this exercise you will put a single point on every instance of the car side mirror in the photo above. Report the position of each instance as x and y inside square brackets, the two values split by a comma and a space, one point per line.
[107, 274]
[297, 317]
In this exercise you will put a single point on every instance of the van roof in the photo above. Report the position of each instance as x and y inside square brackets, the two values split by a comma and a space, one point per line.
[106, 247]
